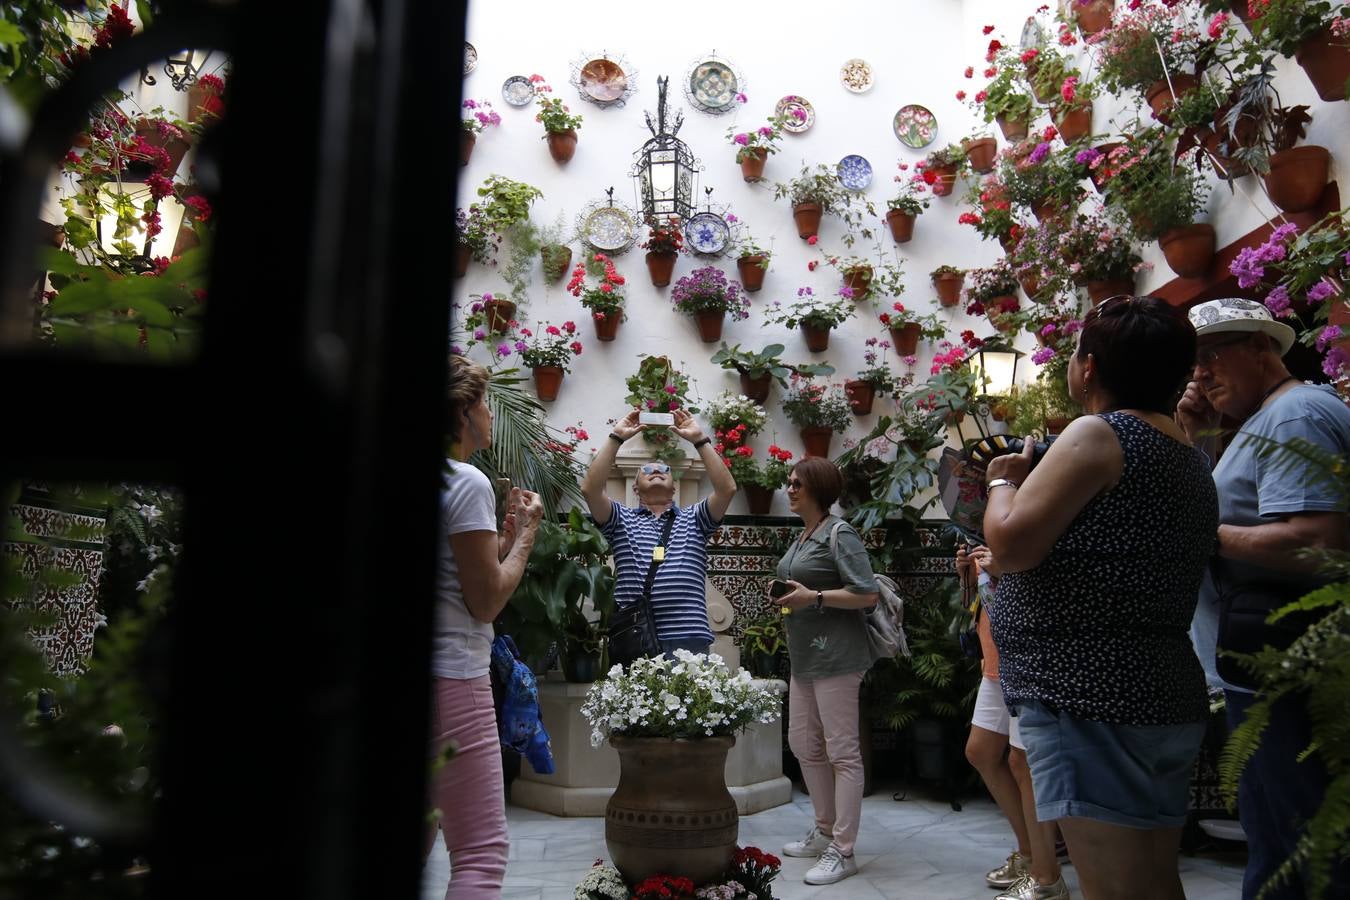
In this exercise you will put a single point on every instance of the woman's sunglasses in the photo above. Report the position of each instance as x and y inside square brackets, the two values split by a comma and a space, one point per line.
[794, 484]
[655, 468]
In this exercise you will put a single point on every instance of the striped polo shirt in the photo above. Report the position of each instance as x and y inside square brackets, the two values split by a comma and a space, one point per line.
[678, 601]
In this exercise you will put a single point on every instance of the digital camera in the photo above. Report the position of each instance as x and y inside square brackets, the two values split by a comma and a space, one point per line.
[982, 451]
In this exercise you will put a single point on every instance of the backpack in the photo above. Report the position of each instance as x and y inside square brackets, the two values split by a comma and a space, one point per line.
[886, 621]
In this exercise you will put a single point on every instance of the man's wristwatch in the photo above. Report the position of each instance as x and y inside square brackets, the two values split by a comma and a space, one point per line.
[999, 482]
[701, 441]
[820, 600]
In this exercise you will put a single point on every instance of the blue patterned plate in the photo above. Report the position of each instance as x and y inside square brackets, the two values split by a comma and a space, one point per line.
[707, 233]
[855, 172]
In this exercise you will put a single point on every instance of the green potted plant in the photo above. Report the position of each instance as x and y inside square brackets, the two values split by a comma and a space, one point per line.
[503, 204]
[554, 253]
[604, 298]
[819, 410]
[947, 281]
[941, 167]
[991, 212]
[708, 295]
[908, 204]
[753, 147]
[1153, 49]
[1071, 108]
[875, 377]
[664, 244]
[658, 386]
[478, 115]
[763, 640]
[560, 125]
[758, 369]
[1003, 99]
[992, 291]
[547, 352]
[752, 263]
[1040, 263]
[1314, 33]
[815, 315]
[757, 482]
[980, 150]
[817, 192]
[1100, 255]
[1040, 178]
[907, 326]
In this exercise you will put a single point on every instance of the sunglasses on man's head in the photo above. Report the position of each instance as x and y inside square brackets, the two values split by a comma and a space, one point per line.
[655, 469]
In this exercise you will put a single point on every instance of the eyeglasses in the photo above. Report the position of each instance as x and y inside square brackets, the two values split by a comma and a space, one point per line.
[1109, 303]
[655, 468]
[794, 484]
[1205, 356]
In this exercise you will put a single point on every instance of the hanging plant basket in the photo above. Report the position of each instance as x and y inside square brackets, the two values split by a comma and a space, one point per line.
[757, 389]
[1013, 129]
[857, 280]
[1161, 95]
[1074, 122]
[807, 216]
[1189, 251]
[752, 163]
[948, 288]
[1297, 177]
[752, 272]
[607, 325]
[905, 338]
[661, 265]
[466, 148]
[709, 323]
[547, 381]
[562, 145]
[817, 339]
[946, 180]
[1326, 61]
[860, 395]
[901, 224]
[816, 440]
[981, 153]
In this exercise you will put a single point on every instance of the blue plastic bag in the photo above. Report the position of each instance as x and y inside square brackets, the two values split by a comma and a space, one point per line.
[519, 723]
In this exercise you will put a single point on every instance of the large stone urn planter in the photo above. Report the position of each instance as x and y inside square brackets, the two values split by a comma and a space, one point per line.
[672, 811]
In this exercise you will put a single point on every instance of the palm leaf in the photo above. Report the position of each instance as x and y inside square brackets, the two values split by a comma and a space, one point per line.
[523, 445]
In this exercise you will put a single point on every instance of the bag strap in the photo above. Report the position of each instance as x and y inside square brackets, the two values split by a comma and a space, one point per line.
[646, 598]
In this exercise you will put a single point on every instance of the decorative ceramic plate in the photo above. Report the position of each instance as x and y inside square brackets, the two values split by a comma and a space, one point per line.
[470, 58]
[713, 85]
[603, 80]
[609, 228]
[799, 112]
[855, 172]
[707, 233]
[914, 126]
[518, 91]
[856, 75]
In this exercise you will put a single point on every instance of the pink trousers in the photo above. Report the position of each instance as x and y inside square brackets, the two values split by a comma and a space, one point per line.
[468, 789]
[823, 735]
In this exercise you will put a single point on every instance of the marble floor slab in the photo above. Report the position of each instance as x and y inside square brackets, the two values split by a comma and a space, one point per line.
[908, 849]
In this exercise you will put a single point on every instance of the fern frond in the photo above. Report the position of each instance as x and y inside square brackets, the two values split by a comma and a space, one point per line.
[1242, 744]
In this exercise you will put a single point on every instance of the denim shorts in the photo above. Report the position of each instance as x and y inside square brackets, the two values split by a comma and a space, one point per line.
[1138, 776]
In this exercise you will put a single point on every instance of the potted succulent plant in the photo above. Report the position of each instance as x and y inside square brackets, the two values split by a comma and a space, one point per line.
[560, 125]
[758, 369]
[548, 354]
[605, 298]
[815, 315]
[819, 411]
[907, 205]
[947, 282]
[708, 296]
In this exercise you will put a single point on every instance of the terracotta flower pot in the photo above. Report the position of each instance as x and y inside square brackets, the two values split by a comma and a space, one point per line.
[710, 324]
[671, 811]
[752, 163]
[462, 256]
[758, 498]
[953, 418]
[1161, 95]
[946, 180]
[757, 389]
[547, 381]
[816, 440]
[1031, 285]
[752, 272]
[981, 153]
[499, 314]
[175, 147]
[557, 259]
[807, 216]
[901, 224]
[1101, 290]
[948, 289]
[1013, 129]
[1326, 61]
[1056, 424]
[1224, 166]
[817, 339]
[905, 338]
[1075, 122]
[562, 145]
[857, 280]
[1190, 250]
[204, 102]
[1046, 210]
[661, 265]
[1297, 177]
[1094, 16]
[606, 325]
[466, 148]
[860, 395]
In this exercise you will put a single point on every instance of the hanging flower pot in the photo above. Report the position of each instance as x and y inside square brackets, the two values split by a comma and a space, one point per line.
[1161, 95]
[757, 389]
[901, 224]
[905, 338]
[204, 101]
[807, 216]
[1093, 17]
[606, 324]
[562, 145]
[710, 324]
[1013, 129]
[948, 289]
[158, 136]
[1056, 424]
[759, 498]
[946, 179]
[981, 152]
[1224, 166]
[1101, 290]
[661, 265]
[557, 259]
[860, 395]
[752, 270]
[499, 314]
[1189, 250]
[466, 149]
[857, 280]
[752, 163]
[1326, 61]
[1297, 177]
[1096, 175]
[816, 440]
[817, 339]
[1031, 284]
[462, 256]
[1074, 122]
[547, 381]
[1046, 210]
[1004, 322]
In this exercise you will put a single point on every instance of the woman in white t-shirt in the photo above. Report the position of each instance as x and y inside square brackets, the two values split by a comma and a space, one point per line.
[477, 571]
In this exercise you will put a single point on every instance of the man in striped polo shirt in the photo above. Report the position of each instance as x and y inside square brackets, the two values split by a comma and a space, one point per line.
[679, 604]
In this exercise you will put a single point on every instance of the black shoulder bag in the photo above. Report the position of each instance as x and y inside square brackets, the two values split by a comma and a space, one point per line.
[632, 628]
[1243, 609]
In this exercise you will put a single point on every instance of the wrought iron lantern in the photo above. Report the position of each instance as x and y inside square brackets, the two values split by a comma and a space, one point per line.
[122, 230]
[665, 166]
[182, 69]
[995, 368]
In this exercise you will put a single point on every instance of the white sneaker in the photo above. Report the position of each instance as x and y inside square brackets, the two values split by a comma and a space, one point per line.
[831, 867]
[809, 847]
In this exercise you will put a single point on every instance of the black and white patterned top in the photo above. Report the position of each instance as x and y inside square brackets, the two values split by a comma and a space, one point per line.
[1100, 629]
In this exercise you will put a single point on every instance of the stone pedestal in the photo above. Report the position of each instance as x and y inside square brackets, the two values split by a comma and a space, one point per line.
[585, 776]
